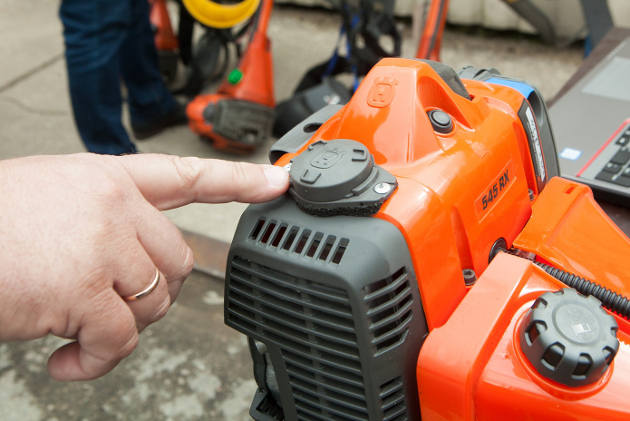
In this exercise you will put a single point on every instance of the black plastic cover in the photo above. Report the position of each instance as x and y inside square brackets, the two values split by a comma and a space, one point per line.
[301, 133]
[569, 338]
[292, 111]
[337, 305]
[473, 73]
[449, 76]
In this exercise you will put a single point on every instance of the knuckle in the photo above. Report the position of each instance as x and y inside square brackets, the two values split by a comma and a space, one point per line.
[128, 347]
[188, 263]
[240, 176]
[110, 189]
[162, 309]
[189, 169]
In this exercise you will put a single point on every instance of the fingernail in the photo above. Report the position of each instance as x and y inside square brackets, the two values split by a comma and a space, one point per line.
[276, 175]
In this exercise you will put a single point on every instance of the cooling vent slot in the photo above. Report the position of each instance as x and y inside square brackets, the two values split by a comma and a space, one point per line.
[270, 408]
[393, 401]
[299, 242]
[313, 325]
[389, 302]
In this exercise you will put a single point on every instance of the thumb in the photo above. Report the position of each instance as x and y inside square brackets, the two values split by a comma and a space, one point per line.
[170, 181]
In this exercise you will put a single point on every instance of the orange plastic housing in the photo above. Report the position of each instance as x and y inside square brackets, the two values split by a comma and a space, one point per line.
[472, 368]
[457, 194]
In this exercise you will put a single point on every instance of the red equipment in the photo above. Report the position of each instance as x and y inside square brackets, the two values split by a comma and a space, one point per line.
[239, 116]
[166, 42]
[430, 41]
[425, 263]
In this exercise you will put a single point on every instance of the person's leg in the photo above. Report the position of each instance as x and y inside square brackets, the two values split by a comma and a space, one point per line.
[94, 32]
[148, 97]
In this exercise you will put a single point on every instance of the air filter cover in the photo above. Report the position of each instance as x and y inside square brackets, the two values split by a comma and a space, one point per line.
[339, 177]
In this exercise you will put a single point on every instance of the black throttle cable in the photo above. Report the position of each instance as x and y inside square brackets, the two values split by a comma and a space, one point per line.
[614, 302]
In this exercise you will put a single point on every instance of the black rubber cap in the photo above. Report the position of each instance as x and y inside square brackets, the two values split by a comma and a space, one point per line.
[440, 121]
[328, 171]
[498, 246]
[339, 177]
[569, 338]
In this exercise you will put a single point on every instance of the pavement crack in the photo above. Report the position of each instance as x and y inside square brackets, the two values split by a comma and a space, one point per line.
[33, 110]
[31, 72]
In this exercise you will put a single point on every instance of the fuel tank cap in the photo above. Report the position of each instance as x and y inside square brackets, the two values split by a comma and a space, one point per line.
[339, 177]
[569, 338]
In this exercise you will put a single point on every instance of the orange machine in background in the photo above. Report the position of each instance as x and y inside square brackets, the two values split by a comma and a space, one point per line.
[239, 116]
[428, 263]
[165, 40]
[430, 42]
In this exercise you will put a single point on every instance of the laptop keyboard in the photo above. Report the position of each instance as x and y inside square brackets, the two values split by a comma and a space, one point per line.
[617, 170]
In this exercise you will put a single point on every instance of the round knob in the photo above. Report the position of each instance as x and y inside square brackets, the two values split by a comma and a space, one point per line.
[440, 121]
[569, 338]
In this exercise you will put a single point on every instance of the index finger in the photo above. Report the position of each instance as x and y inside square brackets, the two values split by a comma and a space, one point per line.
[168, 181]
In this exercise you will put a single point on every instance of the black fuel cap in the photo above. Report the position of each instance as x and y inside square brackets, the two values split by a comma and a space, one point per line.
[569, 338]
[339, 177]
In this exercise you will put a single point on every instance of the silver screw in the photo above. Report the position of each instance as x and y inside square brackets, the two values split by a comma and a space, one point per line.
[288, 167]
[382, 188]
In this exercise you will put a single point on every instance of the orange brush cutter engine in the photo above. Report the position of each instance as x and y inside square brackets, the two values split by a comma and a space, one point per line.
[428, 264]
[239, 116]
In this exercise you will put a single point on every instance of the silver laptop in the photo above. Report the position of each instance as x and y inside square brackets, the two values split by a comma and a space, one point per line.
[591, 125]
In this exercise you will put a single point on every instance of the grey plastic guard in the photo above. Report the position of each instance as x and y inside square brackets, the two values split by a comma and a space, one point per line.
[297, 137]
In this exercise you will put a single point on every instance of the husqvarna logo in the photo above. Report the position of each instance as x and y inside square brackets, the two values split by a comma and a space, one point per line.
[382, 92]
[327, 158]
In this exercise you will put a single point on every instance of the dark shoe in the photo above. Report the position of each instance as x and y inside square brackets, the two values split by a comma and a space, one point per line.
[173, 118]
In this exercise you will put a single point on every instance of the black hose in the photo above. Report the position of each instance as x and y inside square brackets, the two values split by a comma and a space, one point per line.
[611, 300]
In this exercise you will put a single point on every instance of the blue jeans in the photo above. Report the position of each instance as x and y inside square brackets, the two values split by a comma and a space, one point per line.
[106, 41]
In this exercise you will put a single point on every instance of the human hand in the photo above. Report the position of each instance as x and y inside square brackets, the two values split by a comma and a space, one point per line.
[78, 232]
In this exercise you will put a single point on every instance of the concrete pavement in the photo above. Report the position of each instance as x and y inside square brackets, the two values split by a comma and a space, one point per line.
[188, 366]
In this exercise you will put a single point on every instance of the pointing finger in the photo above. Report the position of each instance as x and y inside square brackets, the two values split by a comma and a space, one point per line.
[170, 181]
